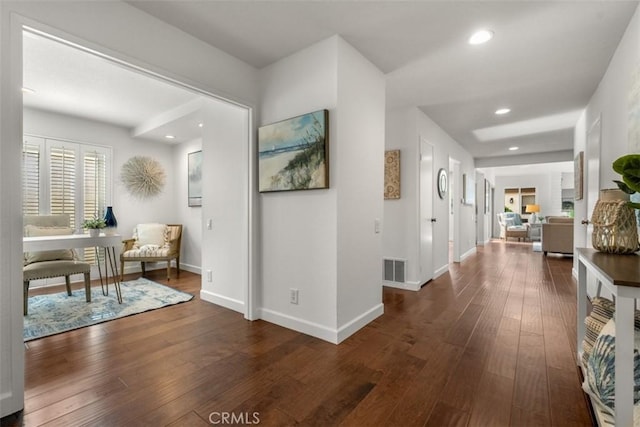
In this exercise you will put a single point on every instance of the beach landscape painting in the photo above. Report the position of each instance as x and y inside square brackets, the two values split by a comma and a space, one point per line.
[293, 154]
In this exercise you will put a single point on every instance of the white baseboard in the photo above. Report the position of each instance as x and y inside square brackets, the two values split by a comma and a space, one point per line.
[467, 254]
[196, 269]
[310, 328]
[440, 271]
[409, 286]
[350, 328]
[334, 336]
[134, 267]
[221, 300]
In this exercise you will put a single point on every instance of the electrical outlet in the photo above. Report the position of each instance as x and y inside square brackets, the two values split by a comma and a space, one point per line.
[293, 296]
[209, 276]
[210, 224]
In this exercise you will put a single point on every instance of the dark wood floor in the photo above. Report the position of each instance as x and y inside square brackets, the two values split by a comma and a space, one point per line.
[489, 344]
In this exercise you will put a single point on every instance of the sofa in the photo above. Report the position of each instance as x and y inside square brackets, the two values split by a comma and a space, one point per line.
[557, 235]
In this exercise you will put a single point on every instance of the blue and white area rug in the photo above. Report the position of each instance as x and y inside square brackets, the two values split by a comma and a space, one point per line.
[55, 313]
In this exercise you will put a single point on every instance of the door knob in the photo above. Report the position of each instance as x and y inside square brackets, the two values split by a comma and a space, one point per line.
[433, 220]
[585, 222]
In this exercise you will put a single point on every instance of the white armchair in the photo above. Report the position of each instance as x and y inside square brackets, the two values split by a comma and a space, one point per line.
[511, 226]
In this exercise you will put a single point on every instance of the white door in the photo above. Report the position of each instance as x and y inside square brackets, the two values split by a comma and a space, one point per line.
[427, 221]
[455, 190]
[592, 168]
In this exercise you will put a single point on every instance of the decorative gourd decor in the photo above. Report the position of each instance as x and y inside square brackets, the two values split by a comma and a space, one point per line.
[142, 176]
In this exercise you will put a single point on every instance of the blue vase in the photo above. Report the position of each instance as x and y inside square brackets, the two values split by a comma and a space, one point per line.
[110, 220]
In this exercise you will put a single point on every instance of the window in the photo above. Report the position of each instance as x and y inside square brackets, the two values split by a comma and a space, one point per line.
[65, 177]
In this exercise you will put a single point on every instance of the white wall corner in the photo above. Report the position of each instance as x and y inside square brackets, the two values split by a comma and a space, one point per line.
[359, 322]
[221, 300]
[409, 286]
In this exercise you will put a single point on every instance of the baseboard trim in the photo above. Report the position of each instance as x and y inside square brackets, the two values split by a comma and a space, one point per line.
[408, 286]
[221, 300]
[300, 325]
[360, 322]
[467, 254]
[442, 270]
[334, 336]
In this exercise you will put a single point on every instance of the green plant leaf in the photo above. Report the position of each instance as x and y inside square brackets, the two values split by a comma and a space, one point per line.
[634, 205]
[624, 187]
[629, 167]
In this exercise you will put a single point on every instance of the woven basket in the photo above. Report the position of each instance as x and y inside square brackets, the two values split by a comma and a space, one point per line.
[614, 227]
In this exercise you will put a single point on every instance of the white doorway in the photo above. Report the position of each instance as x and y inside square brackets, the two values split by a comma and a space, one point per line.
[427, 220]
[592, 169]
[12, 372]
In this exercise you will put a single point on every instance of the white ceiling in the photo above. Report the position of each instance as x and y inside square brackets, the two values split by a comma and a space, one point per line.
[544, 62]
[69, 81]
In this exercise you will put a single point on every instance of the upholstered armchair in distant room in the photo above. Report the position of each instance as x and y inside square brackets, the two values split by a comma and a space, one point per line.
[511, 226]
[153, 243]
[48, 264]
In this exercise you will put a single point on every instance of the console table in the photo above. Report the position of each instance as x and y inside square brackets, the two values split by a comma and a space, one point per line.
[619, 274]
[71, 241]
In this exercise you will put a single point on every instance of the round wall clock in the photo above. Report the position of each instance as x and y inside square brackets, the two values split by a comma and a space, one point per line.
[442, 183]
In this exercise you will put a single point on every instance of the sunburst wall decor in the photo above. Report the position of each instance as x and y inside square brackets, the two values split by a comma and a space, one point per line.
[142, 176]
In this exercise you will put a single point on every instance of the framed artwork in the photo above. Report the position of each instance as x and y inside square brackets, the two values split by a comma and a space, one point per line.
[392, 174]
[443, 183]
[195, 178]
[578, 166]
[294, 154]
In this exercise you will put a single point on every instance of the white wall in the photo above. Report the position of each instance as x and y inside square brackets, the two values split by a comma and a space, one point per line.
[225, 198]
[400, 231]
[322, 242]
[299, 228]
[119, 30]
[404, 128]
[360, 179]
[189, 216]
[611, 102]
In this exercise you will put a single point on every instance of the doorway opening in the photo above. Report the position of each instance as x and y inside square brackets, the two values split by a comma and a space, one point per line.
[77, 94]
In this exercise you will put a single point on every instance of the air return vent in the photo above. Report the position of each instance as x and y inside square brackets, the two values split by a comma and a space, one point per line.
[394, 270]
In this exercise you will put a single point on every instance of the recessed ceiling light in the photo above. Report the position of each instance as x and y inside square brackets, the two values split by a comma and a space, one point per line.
[502, 111]
[170, 137]
[481, 36]
[200, 125]
[28, 90]
[514, 148]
